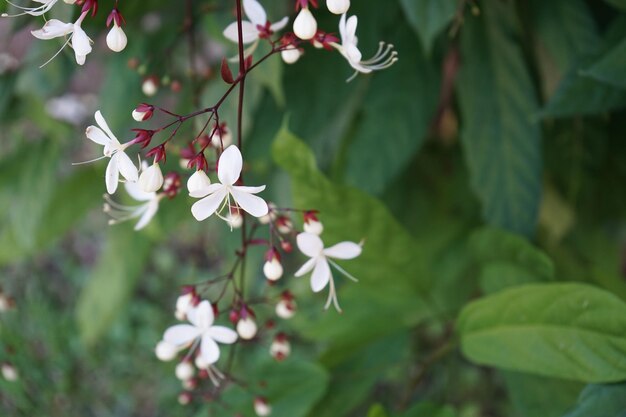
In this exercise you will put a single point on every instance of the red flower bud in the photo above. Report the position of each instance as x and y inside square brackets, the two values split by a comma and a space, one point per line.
[158, 152]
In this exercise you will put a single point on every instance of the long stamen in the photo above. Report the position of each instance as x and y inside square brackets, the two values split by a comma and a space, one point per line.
[58, 52]
[343, 271]
[88, 162]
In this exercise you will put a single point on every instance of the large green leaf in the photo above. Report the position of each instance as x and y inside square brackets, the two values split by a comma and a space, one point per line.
[501, 143]
[601, 401]
[533, 395]
[569, 331]
[611, 68]
[429, 18]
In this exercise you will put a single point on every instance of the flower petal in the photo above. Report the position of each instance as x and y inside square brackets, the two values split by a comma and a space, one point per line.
[230, 165]
[343, 250]
[306, 268]
[255, 12]
[223, 334]
[280, 25]
[254, 205]
[112, 176]
[321, 275]
[104, 126]
[201, 316]
[209, 350]
[150, 211]
[126, 166]
[248, 30]
[134, 190]
[208, 205]
[213, 188]
[310, 244]
[53, 28]
[81, 44]
[249, 190]
[351, 28]
[97, 135]
[181, 334]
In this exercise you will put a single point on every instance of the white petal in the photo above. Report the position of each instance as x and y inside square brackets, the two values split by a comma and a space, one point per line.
[223, 334]
[181, 334]
[309, 244]
[321, 275]
[230, 165]
[134, 190]
[104, 126]
[254, 205]
[148, 214]
[280, 25]
[81, 44]
[343, 250]
[249, 31]
[249, 190]
[53, 29]
[197, 182]
[208, 205]
[306, 268]
[255, 12]
[342, 28]
[112, 176]
[209, 350]
[126, 166]
[213, 188]
[351, 27]
[201, 316]
[97, 135]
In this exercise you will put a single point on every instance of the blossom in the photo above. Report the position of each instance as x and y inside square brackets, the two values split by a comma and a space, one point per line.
[338, 6]
[144, 211]
[312, 246]
[212, 196]
[151, 178]
[116, 38]
[46, 5]
[78, 39]
[259, 27]
[120, 163]
[384, 57]
[201, 332]
[305, 25]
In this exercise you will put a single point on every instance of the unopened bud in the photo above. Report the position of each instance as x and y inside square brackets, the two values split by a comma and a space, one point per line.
[184, 371]
[9, 372]
[284, 225]
[305, 25]
[273, 270]
[290, 55]
[222, 138]
[286, 246]
[151, 180]
[262, 407]
[338, 6]
[165, 351]
[116, 39]
[6, 303]
[271, 214]
[201, 363]
[198, 182]
[184, 398]
[190, 384]
[150, 86]
[247, 328]
[143, 112]
[312, 224]
[280, 348]
[234, 219]
[286, 309]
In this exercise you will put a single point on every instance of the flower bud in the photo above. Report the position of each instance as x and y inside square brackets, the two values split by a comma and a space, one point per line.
[262, 407]
[186, 302]
[286, 309]
[280, 348]
[272, 269]
[305, 25]
[222, 137]
[171, 184]
[338, 6]
[165, 351]
[234, 219]
[143, 112]
[6, 303]
[312, 224]
[150, 86]
[284, 225]
[116, 39]
[190, 384]
[9, 372]
[286, 246]
[271, 214]
[184, 371]
[151, 180]
[247, 328]
[198, 181]
[201, 363]
[290, 55]
[184, 398]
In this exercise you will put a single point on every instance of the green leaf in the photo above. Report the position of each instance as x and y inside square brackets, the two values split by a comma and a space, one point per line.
[533, 395]
[377, 410]
[425, 409]
[611, 68]
[620, 4]
[568, 331]
[429, 18]
[601, 401]
[111, 283]
[501, 143]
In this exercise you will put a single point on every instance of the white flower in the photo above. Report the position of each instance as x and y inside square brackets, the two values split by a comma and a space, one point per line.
[201, 332]
[384, 57]
[78, 39]
[116, 39]
[144, 212]
[151, 178]
[165, 351]
[229, 169]
[46, 5]
[312, 246]
[120, 163]
[305, 25]
[338, 6]
[258, 27]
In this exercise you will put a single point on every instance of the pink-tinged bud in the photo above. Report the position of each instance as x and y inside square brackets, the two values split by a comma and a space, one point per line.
[269, 324]
[247, 328]
[272, 269]
[151, 180]
[190, 384]
[262, 407]
[158, 153]
[222, 137]
[165, 351]
[286, 309]
[306, 3]
[312, 224]
[176, 86]
[9, 372]
[324, 40]
[115, 17]
[185, 371]
[271, 214]
[284, 225]
[234, 316]
[290, 55]
[201, 363]
[234, 219]
[305, 25]
[197, 182]
[198, 162]
[88, 5]
[338, 6]
[143, 137]
[203, 373]
[185, 398]
[286, 246]
[150, 86]
[171, 184]
[143, 112]
[116, 39]
[280, 348]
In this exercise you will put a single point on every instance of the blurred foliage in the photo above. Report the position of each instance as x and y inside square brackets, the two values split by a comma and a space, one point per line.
[484, 171]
